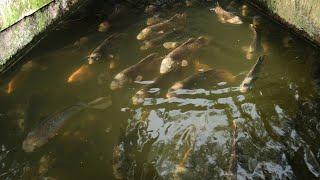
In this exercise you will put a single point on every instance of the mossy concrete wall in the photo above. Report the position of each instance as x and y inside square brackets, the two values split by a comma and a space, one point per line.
[23, 34]
[14, 10]
[301, 15]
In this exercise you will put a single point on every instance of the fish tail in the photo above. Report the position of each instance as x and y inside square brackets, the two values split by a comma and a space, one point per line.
[100, 103]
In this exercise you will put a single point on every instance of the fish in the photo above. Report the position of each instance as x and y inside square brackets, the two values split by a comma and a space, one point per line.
[156, 41]
[169, 24]
[154, 20]
[255, 46]
[135, 71]
[170, 45]
[82, 42]
[51, 126]
[150, 9]
[22, 75]
[101, 51]
[81, 74]
[190, 81]
[175, 57]
[225, 16]
[146, 90]
[104, 26]
[248, 81]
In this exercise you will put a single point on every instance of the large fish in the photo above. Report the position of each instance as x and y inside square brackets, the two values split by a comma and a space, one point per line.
[101, 51]
[135, 72]
[208, 75]
[157, 40]
[146, 90]
[50, 126]
[163, 26]
[252, 75]
[225, 16]
[175, 57]
[81, 74]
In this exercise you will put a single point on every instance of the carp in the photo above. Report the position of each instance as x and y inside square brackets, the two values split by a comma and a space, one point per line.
[146, 90]
[104, 26]
[154, 20]
[175, 57]
[156, 41]
[225, 16]
[101, 51]
[50, 126]
[80, 75]
[134, 72]
[163, 26]
[208, 75]
[170, 45]
[246, 85]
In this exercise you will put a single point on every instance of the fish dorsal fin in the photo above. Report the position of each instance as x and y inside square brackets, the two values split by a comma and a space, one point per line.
[217, 4]
[149, 57]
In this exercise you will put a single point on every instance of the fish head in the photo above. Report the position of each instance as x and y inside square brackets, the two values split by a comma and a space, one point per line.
[203, 40]
[33, 141]
[246, 85]
[139, 97]
[144, 34]
[119, 81]
[167, 65]
[94, 57]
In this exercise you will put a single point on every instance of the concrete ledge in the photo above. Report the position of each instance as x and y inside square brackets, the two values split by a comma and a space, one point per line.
[20, 37]
[302, 16]
[13, 11]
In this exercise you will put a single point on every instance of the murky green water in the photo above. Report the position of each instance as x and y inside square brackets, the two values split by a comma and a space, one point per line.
[211, 132]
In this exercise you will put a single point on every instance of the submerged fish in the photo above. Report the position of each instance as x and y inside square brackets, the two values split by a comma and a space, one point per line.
[209, 75]
[50, 126]
[101, 51]
[146, 90]
[170, 45]
[225, 16]
[82, 42]
[252, 75]
[163, 26]
[154, 20]
[156, 41]
[81, 74]
[133, 72]
[104, 26]
[175, 57]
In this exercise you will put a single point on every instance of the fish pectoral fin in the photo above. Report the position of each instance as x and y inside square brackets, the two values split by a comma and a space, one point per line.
[139, 78]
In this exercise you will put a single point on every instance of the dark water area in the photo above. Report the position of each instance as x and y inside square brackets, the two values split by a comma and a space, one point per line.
[210, 131]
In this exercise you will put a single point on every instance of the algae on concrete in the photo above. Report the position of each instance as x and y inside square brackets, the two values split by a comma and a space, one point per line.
[14, 10]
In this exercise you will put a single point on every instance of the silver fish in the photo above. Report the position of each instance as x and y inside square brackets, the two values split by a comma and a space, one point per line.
[50, 126]
[246, 85]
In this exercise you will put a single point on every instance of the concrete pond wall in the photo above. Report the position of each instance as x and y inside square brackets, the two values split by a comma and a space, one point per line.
[23, 22]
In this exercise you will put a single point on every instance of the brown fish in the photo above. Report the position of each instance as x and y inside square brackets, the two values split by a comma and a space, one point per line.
[160, 81]
[172, 23]
[154, 20]
[80, 75]
[174, 58]
[189, 82]
[101, 51]
[104, 26]
[131, 73]
[225, 16]
[156, 41]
